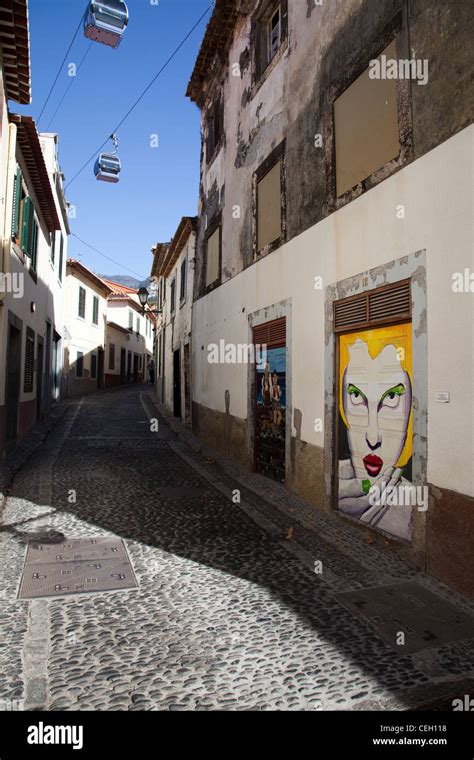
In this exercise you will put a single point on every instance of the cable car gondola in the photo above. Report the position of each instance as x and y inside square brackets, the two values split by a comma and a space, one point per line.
[107, 167]
[105, 21]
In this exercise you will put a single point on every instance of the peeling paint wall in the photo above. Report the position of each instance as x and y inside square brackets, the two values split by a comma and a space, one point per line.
[342, 248]
[327, 48]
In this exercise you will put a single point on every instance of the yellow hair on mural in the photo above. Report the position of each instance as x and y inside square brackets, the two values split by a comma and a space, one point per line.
[399, 336]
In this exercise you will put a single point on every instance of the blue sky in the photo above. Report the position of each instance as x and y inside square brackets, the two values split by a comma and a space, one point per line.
[158, 185]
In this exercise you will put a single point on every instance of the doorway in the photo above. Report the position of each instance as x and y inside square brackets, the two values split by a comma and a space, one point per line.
[47, 369]
[135, 368]
[39, 380]
[187, 385]
[100, 369]
[177, 383]
[13, 383]
[270, 400]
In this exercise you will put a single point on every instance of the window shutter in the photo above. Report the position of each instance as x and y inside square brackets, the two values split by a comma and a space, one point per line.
[53, 246]
[34, 243]
[390, 303]
[16, 203]
[270, 333]
[61, 250]
[352, 312]
[25, 225]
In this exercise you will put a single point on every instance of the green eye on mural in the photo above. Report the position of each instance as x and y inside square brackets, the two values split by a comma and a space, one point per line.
[357, 397]
[391, 397]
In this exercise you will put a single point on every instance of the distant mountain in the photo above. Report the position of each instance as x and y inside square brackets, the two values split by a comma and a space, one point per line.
[129, 282]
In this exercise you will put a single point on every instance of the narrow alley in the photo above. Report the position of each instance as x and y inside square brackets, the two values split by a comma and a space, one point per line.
[225, 614]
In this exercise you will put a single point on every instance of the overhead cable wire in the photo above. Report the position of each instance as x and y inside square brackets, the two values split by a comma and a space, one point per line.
[141, 96]
[96, 250]
[60, 68]
[73, 79]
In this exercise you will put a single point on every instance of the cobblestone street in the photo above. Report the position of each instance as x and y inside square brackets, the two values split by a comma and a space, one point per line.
[227, 614]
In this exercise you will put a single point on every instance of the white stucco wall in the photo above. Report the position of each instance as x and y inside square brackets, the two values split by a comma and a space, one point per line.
[436, 192]
[85, 336]
[178, 325]
[46, 291]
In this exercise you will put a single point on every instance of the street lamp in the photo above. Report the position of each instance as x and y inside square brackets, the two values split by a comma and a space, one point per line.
[143, 296]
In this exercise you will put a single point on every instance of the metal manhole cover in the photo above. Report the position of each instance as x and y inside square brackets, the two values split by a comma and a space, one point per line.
[425, 619]
[76, 566]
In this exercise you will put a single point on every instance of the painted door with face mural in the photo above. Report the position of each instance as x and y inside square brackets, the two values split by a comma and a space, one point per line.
[270, 399]
[375, 433]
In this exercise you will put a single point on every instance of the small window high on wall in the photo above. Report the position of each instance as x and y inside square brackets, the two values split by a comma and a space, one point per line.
[213, 256]
[366, 127]
[270, 31]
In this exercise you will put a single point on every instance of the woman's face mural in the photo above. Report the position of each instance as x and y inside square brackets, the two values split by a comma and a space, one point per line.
[375, 399]
[377, 406]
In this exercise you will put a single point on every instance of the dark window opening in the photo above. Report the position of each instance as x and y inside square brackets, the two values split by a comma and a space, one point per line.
[215, 128]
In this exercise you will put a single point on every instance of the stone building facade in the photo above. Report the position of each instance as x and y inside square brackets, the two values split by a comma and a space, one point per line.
[335, 197]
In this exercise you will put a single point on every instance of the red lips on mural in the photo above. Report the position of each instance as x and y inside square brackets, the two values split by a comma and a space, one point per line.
[373, 464]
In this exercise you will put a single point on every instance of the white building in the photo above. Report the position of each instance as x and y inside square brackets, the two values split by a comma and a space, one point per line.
[85, 321]
[34, 231]
[335, 228]
[173, 272]
[129, 336]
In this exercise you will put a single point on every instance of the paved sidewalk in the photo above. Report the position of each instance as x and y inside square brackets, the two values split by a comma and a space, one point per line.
[229, 614]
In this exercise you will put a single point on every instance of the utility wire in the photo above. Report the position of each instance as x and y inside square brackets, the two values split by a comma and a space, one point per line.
[96, 250]
[132, 108]
[60, 68]
[73, 79]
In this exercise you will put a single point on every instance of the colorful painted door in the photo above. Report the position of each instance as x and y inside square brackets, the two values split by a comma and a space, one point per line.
[270, 399]
[375, 436]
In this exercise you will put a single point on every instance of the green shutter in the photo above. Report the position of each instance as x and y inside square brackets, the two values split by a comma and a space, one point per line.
[31, 232]
[16, 202]
[25, 225]
[61, 247]
[34, 244]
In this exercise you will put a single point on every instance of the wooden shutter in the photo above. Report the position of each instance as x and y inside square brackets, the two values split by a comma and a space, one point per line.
[82, 303]
[95, 311]
[270, 333]
[388, 304]
[16, 203]
[53, 246]
[25, 224]
[33, 243]
[61, 251]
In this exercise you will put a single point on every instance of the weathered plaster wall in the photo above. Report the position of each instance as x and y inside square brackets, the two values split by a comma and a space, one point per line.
[361, 236]
[328, 46]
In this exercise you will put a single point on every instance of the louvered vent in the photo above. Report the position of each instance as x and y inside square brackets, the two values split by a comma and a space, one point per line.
[391, 303]
[351, 312]
[270, 333]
